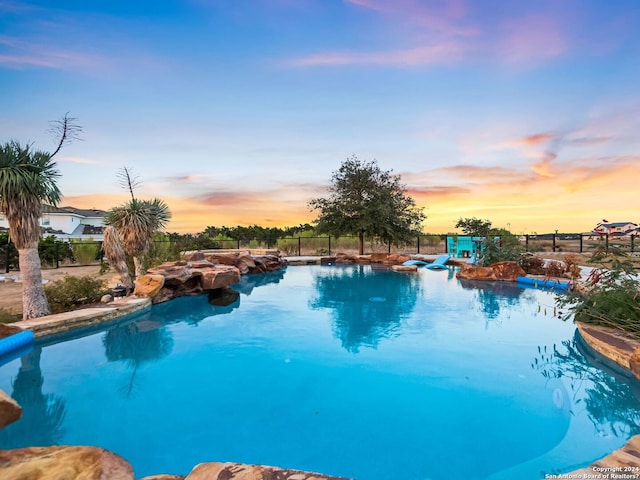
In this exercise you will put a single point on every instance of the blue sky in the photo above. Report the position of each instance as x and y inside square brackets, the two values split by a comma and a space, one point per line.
[236, 112]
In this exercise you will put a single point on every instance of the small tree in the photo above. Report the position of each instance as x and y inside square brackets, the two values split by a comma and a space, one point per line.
[368, 202]
[136, 221]
[29, 177]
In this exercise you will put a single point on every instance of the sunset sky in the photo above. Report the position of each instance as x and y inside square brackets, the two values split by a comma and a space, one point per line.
[238, 111]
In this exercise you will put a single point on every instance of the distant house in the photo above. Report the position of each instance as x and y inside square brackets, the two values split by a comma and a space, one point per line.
[68, 222]
[616, 228]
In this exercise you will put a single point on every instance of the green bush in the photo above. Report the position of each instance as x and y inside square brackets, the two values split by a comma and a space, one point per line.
[85, 252]
[71, 292]
[494, 252]
[51, 249]
[162, 250]
[611, 298]
[7, 316]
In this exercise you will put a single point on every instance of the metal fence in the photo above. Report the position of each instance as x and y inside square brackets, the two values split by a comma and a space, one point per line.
[59, 253]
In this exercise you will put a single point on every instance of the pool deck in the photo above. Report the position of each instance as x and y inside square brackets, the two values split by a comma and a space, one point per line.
[610, 343]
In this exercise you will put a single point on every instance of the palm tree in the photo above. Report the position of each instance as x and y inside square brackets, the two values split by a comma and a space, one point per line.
[116, 256]
[136, 221]
[27, 178]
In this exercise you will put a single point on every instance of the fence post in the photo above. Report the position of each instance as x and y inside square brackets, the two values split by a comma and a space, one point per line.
[526, 242]
[581, 243]
[554, 242]
[299, 240]
[57, 255]
[418, 243]
[329, 237]
[238, 244]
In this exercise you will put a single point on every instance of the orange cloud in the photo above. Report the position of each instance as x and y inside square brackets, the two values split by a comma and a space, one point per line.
[568, 195]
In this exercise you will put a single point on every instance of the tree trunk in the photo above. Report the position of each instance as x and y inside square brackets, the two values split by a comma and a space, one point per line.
[116, 256]
[34, 300]
[361, 243]
[138, 265]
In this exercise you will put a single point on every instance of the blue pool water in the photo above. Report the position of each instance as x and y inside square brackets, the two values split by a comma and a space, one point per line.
[352, 371]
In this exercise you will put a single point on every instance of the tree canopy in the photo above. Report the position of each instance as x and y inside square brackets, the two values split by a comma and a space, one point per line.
[474, 226]
[368, 202]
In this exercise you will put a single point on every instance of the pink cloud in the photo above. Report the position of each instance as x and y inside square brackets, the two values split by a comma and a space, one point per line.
[426, 55]
[529, 39]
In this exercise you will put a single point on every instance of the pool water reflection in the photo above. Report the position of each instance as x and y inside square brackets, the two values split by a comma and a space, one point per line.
[354, 371]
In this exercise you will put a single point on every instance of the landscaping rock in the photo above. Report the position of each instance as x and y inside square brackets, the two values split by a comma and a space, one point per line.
[220, 277]
[148, 285]
[395, 259]
[195, 256]
[344, 259]
[626, 457]
[634, 363]
[507, 271]
[238, 471]
[106, 298]
[471, 272]
[191, 278]
[404, 268]
[10, 411]
[378, 257]
[63, 463]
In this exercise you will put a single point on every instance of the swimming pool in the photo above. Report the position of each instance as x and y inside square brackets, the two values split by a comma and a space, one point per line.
[353, 371]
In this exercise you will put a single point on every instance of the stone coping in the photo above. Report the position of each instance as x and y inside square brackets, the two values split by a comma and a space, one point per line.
[76, 319]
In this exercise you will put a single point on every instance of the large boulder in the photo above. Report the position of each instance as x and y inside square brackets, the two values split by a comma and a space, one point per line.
[404, 268]
[238, 471]
[148, 285]
[63, 463]
[344, 259]
[396, 259]
[507, 271]
[10, 411]
[192, 278]
[471, 272]
[378, 257]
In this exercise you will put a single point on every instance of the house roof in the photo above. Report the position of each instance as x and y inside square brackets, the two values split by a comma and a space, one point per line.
[616, 224]
[95, 213]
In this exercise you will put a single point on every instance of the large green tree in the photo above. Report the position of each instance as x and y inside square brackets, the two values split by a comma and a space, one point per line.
[368, 202]
[28, 177]
[136, 221]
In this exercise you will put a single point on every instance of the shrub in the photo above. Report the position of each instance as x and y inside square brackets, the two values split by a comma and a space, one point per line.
[51, 249]
[611, 298]
[70, 292]
[85, 252]
[7, 316]
[572, 261]
[531, 263]
[555, 269]
[493, 252]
